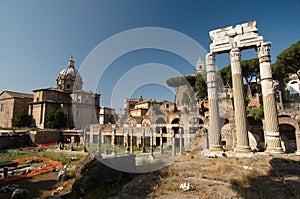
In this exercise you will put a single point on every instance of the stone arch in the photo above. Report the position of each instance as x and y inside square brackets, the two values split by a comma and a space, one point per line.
[196, 120]
[175, 121]
[160, 120]
[286, 126]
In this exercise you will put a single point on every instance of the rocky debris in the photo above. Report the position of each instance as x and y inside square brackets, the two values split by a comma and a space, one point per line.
[186, 187]
[21, 194]
[9, 187]
[140, 187]
[94, 176]
[198, 143]
[62, 174]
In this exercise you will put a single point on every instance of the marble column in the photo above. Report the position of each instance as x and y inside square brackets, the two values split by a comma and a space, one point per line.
[99, 140]
[180, 141]
[113, 141]
[161, 141]
[273, 140]
[239, 102]
[143, 141]
[214, 120]
[131, 142]
[127, 142]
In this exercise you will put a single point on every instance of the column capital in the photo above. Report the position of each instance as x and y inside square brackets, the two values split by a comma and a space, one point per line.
[264, 50]
[235, 54]
[210, 59]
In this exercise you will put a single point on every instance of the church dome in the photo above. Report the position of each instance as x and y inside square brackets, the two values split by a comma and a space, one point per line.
[69, 78]
[70, 70]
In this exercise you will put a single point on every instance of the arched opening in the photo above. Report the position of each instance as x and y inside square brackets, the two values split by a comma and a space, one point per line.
[196, 120]
[175, 121]
[160, 121]
[287, 134]
[256, 128]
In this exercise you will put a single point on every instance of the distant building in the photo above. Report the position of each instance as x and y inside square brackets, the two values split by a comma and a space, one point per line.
[80, 107]
[129, 104]
[11, 104]
[107, 115]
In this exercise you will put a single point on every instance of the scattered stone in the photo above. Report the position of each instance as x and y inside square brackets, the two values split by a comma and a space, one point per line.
[21, 194]
[62, 174]
[10, 187]
[187, 187]
[247, 168]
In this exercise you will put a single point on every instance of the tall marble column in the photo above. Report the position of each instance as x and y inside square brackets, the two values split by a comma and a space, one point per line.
[240, 116]
[214, 120]
[113, 141]
[273, 141]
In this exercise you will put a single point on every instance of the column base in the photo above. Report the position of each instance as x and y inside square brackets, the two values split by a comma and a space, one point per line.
[242, 149]
[275, 150]
[217, 148]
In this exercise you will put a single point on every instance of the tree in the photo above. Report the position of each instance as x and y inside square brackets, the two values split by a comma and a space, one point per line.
[196, 82]
[225, 74]
[200, 87]
[21, 120]
[288, 62]
[55, 119]
[250, 70]
[257, 113]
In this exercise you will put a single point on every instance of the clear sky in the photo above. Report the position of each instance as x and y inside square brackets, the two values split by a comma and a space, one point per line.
[38, 37]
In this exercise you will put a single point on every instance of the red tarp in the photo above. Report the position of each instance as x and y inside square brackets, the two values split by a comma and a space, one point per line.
[50, 165]
[45, 144]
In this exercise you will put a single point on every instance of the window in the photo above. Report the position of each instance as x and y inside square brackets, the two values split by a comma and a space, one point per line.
[68, 86]
[37, 99]
[2, 108]
[167, 105]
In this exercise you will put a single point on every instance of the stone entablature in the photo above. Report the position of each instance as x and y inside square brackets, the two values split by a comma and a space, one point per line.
[242, 36]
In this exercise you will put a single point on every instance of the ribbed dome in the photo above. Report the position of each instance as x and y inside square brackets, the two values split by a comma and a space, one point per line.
[70, 70]
[69, 78]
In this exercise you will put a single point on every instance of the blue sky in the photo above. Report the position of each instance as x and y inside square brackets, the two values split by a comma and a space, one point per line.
[37, 37]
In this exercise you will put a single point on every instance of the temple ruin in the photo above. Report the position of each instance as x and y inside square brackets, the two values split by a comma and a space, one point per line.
[233, 40]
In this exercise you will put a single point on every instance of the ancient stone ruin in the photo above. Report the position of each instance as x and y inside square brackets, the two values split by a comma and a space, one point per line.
[233, 40]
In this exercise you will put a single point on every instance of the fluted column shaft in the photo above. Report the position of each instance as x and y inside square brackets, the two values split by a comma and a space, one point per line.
[239, 102]
[272, 135]
[214, 130]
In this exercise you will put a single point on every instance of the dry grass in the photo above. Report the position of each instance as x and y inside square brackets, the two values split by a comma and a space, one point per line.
[222, 177]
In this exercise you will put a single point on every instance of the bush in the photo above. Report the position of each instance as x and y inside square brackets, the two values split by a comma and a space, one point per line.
[257, 113]
[22, 120]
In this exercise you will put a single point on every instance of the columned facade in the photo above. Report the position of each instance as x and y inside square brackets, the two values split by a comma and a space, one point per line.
[232, 40]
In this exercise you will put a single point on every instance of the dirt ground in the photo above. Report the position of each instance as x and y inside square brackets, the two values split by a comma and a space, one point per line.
[262, 176]
[36, 185]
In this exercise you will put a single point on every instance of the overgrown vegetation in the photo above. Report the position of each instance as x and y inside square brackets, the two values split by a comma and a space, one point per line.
[55, 119]
[22, 120]
[257, 113]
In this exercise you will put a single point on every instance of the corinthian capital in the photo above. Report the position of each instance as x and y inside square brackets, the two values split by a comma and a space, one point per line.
[264, 49]
[235, 55]
[210, 59]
